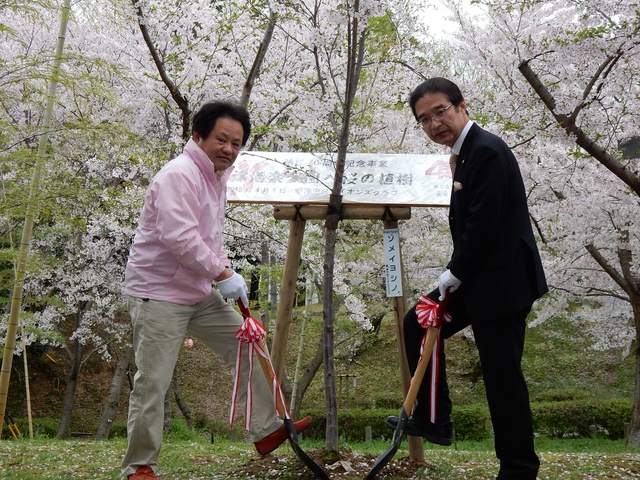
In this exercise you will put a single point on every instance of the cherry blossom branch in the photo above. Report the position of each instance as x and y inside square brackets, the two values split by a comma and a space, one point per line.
[632, 179]
[607, 267]
[603, 71]
[536, 224]
[180, 100]
[257, 62]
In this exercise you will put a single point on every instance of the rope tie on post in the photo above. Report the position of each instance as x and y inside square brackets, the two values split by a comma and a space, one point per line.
[298, 215]
[388, 214]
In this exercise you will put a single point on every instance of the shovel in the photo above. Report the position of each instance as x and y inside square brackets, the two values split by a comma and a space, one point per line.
[13, 427]
[431, 337]
[281, 407]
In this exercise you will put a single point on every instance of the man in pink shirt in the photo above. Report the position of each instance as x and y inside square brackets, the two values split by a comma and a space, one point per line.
[177, 254]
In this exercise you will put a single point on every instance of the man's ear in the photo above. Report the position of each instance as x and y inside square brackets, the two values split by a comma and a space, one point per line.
[463, 106]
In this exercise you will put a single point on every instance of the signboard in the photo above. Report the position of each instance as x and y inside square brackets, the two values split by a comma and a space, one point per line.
[392, 263]
[369, 179]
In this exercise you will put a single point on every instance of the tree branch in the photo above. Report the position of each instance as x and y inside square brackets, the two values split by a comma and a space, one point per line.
[180, 100]
[257, 62]
[581, 138]
[607, 267]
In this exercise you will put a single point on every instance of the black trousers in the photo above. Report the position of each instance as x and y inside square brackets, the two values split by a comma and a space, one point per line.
[500, 344]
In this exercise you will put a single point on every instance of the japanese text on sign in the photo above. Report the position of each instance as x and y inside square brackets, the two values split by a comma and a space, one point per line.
[298, 178]
[392, 262]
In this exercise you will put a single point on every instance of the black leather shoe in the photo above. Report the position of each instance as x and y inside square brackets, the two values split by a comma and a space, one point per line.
[439, 433]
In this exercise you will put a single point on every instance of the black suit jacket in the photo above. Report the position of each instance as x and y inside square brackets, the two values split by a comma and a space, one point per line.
[494, 250]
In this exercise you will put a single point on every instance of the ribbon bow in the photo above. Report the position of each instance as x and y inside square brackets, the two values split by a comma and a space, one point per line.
[252, 333]
[429, 313]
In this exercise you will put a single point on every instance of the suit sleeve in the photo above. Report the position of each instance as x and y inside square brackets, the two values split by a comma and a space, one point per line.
[486, 188]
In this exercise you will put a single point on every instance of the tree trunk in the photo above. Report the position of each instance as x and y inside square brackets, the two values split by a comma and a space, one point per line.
[633, 435]
[177, 395]
[72, 383]
[113, 398]
[307, 377]
[331, 432]
[356, 42]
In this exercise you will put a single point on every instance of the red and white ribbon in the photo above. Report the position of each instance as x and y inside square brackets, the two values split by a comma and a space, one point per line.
[276, 390]
[252, 333]
[427, 312]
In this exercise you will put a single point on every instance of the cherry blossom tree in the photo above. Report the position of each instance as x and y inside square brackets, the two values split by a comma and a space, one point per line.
[562, 83]
[121, 115]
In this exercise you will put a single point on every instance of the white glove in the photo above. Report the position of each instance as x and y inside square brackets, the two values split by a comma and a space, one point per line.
[234, 287]
[448, 281]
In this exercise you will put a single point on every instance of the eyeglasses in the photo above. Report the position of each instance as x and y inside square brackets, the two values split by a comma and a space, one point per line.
[426, 121]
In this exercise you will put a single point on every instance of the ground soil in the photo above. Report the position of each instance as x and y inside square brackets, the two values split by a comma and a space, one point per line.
[349, 466]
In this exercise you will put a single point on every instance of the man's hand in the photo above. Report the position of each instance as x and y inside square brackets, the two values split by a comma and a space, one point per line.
[234, 287]
[448, 281]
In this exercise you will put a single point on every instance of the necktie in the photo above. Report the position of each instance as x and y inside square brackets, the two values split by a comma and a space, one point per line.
[452, 163]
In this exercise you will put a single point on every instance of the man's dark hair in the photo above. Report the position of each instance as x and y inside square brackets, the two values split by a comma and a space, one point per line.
[205, 119]
[432, 86]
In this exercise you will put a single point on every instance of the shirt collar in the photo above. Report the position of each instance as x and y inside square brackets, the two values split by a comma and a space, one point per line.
[204, 163]
[458, 145]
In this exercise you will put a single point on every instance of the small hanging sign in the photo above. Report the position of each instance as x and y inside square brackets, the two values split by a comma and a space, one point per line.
[393, 265]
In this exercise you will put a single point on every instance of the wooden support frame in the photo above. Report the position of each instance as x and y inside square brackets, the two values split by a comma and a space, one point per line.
[298, 215]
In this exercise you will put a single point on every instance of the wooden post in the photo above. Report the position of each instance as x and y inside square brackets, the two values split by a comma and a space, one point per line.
[416, 446]
[287, 295]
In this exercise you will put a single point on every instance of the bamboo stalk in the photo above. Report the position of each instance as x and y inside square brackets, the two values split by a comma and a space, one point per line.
[21, 265]
[26, 384]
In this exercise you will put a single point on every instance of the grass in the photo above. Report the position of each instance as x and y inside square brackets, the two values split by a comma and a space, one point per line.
[558, 364]
[197, 458]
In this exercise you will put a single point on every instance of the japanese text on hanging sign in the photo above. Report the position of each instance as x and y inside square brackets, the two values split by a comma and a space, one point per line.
[392, 263]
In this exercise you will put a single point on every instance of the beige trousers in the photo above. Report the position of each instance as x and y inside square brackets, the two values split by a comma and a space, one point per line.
[159, 329]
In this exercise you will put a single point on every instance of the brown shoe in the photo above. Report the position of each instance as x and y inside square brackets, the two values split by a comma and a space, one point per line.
[272, 441]
[143, 473]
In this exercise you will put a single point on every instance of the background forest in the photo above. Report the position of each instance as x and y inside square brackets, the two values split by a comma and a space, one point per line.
[557, 79]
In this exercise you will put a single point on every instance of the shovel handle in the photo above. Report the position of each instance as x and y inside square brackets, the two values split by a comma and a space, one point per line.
[432, 337]
[421, 368]
[267, 368]
[243, 309]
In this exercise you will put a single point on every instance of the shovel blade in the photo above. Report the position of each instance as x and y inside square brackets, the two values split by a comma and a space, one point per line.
[391, 451]
[302, 455]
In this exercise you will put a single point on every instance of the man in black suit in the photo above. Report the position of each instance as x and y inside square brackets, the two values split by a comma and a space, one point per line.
[494, 276]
